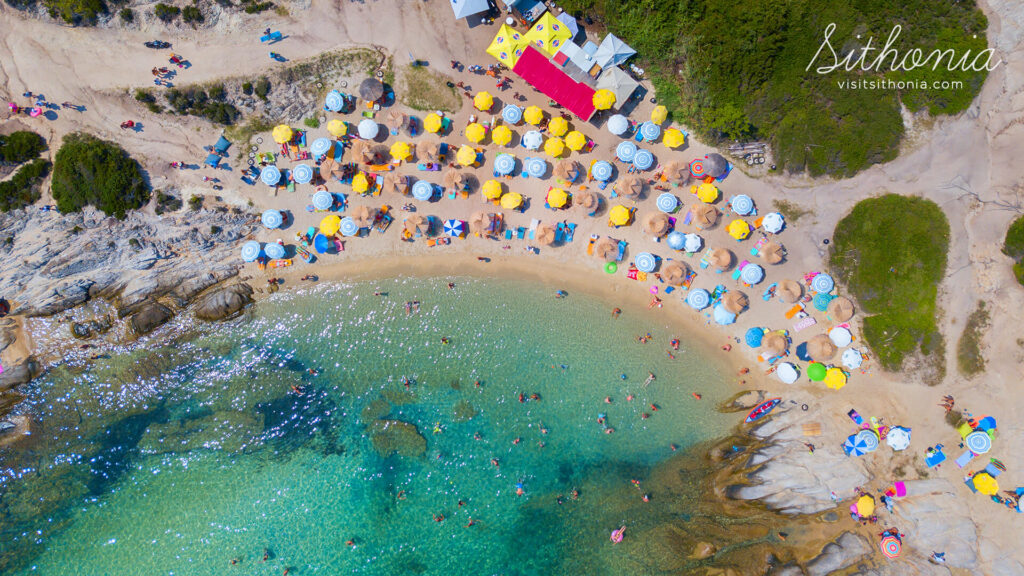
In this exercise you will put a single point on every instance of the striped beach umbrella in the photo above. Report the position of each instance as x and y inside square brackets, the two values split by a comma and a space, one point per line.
[854, 446]
[536, 167]
[822, 283]
[512, 114]
[454, 228]
[667, 202]
[272, 218]
[891, 546]
[698, 299]
[978, 442]
[320, 146]
[773, 223]
[692, 243]
[334, 101]
[869, 439]
[302, 173]
[625, 151]
[504, 164]
[601, 170]
[742, 204]
[423, 190]
[274, 250]
[650, 131]
[323, 200]
[697, 168]
[752, 274]
[348, 227]
[251, 251]
[533, 140]
[645, 262]
[643, 160]
[270, 175]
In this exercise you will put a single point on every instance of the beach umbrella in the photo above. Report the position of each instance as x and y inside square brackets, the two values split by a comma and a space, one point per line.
[601, 170]
[787, 373]
[501, 135]
[251, 251]
[674, 272]
[480, 222]
[606, 249]
[618, 124]
[558, 126]
[397, 117]
[676, 240]
[735, 301]
[840, 309]
[898, 438]
[323, 200]
[816, 371]
[585, 199]
[432, 123]
[742, 204]
[535, 167]
[533, 115]
[360, 183]
[890, 546]
[428, 150]
[454, 179]
[721, 258]
[363, 216]
[270, 175]
[673, 138]
[697, 168]
[512, 114]
[704, 216]
[773, 222]
[423, 190]
[986, 423]
[282, 133]
[476, 133]
[603, 99]
[790, 291]
[554, 147]
[772, 253]
[822, 283]
[548, 34]
[337, 127]
[852, 358]
[650, 131]
[853, 447]
[978, 442]
[698, 299]
[985, 483]
[504, 164]
[533, 140]
[416, 224]
[643, 160]
[821, 301]
[575, 141]
[401, 150]
[821, 348]
[722, 316]
[774, 344]
[619, 215]
[302, 173]
[673, 171]
[557, 198]
[707, 193]
[272, 218]
[368, 129]
[659, 114]
[567, 170]
[330, 225]
[454, 228]
[511, 201]
[507, 46]
[320, 146]
[466, 156]
[715, 165]
[869, 438]
[371, 89]
[544, 235]
[625, 151]
[274, 251]
[491, 190]
[865, 506]
[321, 244]
[752, 274]
[692, 243]
[753, 337]
[348, 227]
[667, 202]
[483, 101]
[645, 262]
[840, 336]
[738, 229]
[630, 186]
[334, 101]
[835, 378]
[656, 223]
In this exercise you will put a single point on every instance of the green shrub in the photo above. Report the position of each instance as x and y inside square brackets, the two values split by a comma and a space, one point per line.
[262, 88]
[134, 243]
[195, 202]
[191, 14]
[21, 146]
[215, 229]
[166, 12]
[77, 12]
[247, 88]
[970, 357]
[23, 188]
[93, 172]
[1013, 246]
[127, 15]
[216, 92]
[312, 122]
[194, 101]
[257, 7]
[166, 202]
[144, 96]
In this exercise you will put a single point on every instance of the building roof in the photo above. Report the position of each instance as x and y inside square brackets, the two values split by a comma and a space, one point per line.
[546, 76]
[571, 53]
[612, 52]
[619, 82]
[570, 23]
[463, 8]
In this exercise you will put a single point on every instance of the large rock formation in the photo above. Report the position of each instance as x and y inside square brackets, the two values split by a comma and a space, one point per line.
[149, 316]
[224, 302]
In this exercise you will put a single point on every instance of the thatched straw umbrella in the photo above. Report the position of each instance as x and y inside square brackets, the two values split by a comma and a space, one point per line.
[774, 344]
[630, 186]
[721, 258]
[327, 167]
[416, 224]
[606, 248]
[715, 165]
[454, 179]
[357, 149]
[820, 348]
[478, 222]
[704, 215]
[674, 171]
[840, 309]
[396, 183]
[363, 215]
[376, 154]
[396, 117]
[655, 223]
[428, 150]
[567, 169]
[585, 199]
[371, 89]
[735, 301]
[545, 234]
[790, 291]
[773, 253]
[673, 272]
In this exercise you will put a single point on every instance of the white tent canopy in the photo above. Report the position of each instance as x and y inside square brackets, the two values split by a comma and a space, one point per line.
[620, 84]
[612, 52]
[463, 8]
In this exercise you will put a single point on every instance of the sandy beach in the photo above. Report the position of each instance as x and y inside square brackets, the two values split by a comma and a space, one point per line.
[966, 164]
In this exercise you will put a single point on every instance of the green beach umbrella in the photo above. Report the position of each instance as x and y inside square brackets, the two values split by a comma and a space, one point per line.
[816, 371]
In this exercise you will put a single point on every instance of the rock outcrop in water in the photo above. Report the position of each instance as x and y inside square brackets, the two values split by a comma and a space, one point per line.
[224, 302]
[149, 316]
[396, 437]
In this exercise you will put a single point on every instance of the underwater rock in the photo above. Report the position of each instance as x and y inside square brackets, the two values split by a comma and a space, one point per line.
[840, 554]
[463, 411]
[224, 302]
[379, 408]
[703, 550]
[149, 316]
[228, 430]
[748, 399]
[396, 437]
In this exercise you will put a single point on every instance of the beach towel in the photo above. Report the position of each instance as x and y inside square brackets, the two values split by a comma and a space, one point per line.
[805, 323]
[964, 459]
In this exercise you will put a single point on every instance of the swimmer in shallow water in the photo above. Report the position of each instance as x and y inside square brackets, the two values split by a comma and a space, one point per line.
[650, 378]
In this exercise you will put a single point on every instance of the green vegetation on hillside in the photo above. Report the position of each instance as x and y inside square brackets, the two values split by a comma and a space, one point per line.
[891, 254]
[78, 12]
[21, 146]
[93, 172]
[969, 357]
[206, 103]
[1013, 247]
[738, 70]
[23, 188]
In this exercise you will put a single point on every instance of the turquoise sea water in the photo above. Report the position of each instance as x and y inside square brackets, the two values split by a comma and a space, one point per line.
[182, 458]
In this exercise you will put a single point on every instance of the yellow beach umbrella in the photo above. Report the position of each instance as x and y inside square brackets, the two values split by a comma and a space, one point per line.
[557, 198]
[558, 126]
[619, 215]
[707, 193]
[533, 115]
[835, 378]
[360, 183]
[501, 135]
[659, 114]
[491, 190]
[432, 123]
[466, 156]
[673, 138]
[986, 484]
[739, 229]
[507, 46]
[511, 201]
[604, 99]
[554, 147]
[400, 151]
[548, 34]
[865, 506]
[476, 132]
[330, 224]
[575, 141]
[282, 133]
[337, 127]
[483, 101]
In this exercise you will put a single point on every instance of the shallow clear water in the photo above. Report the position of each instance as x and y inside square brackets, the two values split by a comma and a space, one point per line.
[180, 459]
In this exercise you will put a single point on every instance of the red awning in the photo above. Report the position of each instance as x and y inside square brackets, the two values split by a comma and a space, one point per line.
[545, 76]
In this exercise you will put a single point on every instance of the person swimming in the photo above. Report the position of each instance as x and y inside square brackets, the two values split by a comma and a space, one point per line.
[650, 378]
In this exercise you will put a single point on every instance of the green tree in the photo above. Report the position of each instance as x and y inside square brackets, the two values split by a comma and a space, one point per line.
[93, 172]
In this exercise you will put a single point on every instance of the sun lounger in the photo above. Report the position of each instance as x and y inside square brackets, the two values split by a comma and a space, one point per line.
[570, 230]
[339, 150]
[520, 233]
[560, 233]
[804, 324]
[508, 234]
[272, 37]
[964, 459]
[994, 470]
[533, 227]
[690, 275]
[590, 245]
[429, 167]
[794, 311]
[622, 250]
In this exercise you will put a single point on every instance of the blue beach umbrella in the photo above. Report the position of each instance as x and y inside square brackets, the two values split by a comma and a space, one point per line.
[869, 439]
[270, 175]
[320, 146]
[536, 167]
[820, 301]
[423, 190]
[723, 316]
[512, 114]
[667, 202]
[323, 200]
[348, 227]
[625, 151]
[320, 244]
[742, 204]
[532, 140]
[978, 442]
[302, 173]
[822, 283]
[645, 262]
[676, 240]
[273, 250]
[752, 274]
[698, 299]
[454, 228]
[272, 218]
[753, 337]
[601, 170]
[650, 131]
[854, 446]
[504, 164]
[251, 251]
[643, 160]
[334, 101]
[618, 124]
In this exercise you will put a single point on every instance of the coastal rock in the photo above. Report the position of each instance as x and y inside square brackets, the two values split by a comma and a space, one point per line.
[224, 302]
[14, 376]
[842, 553]
[90, 328]
[703, 550]
[8, 333]
[149, 316]
[748, 399]
[396, 437]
